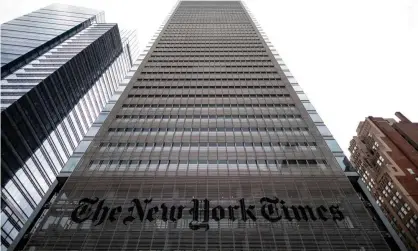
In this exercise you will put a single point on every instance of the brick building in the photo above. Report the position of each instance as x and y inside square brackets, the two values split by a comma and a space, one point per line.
[385, 154]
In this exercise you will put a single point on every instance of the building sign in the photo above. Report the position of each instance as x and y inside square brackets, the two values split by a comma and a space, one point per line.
[272, 209]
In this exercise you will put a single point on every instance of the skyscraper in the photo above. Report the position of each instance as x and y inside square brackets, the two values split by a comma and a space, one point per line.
[212, 146]
[385, 154]
[60, 66]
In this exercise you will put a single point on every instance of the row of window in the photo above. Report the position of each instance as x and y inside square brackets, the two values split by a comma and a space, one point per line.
[211, 129]
[207, 55]
[219, 82]
[226, 163]
[172, 26]
[213, 69]
[189, 43]
[211, 51]
[209, 18]
[218, 53]
[210, 144]
[238, 86]
[214, 78]
[206, 105]
[214, 17]
[217, 61]
[201, 26]
[218, 31]
[210, 63]
[207, 46]
[212, 66]
[200, 116]
[211, 30]
[174, 148]
[215, 39]
[268, 70]
[205, 95]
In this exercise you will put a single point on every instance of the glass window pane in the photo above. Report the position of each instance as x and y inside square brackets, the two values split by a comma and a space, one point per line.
[309, 106]
[315, 117]
[297, 88]
[333, 145]
[292, 80]
[324, 131]
[302, 96]
[340, 161]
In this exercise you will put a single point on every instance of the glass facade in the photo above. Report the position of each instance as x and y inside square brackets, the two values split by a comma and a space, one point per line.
[48, 106]
[24, 38]
[208, 147]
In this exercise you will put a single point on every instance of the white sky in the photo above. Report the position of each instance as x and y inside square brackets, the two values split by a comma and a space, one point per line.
[353, 58]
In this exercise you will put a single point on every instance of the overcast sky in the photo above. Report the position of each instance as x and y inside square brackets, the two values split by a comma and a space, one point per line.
[353, 58]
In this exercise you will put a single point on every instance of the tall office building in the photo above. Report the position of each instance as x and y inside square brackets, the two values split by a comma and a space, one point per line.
[211, 146]
[385, 154]
[60, 66]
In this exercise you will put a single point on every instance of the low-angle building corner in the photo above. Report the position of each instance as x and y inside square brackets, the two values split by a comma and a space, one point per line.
[211, 145]
[385, 154]
[60, 66]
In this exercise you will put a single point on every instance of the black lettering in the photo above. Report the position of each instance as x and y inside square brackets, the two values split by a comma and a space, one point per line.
[172, 213]
[98, 212]
[245, 211]
[140, 211]
[286, 211]
[164, 213]
[113, 212]
[206, 211]
[179, 213]
[311, 213]
[321, 210]
[271, 209]
[83, 211]
[151, 213]
[194, 211]
[296, 213]
[215, 213]
[231, 212]
[302, 211]
[336, 213]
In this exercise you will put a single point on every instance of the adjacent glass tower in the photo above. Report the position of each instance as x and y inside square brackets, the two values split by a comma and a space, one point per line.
[209, 147]
[60, 66]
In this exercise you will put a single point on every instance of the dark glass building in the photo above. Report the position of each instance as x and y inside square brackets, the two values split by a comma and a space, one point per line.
[60, 66]
[26, 37]
[211, 146]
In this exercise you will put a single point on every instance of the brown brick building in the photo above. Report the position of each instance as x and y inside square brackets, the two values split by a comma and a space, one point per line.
[385, 154]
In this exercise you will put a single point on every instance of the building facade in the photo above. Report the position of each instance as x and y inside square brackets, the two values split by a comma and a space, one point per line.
[60, 67]
[385, 154]
[212, 145]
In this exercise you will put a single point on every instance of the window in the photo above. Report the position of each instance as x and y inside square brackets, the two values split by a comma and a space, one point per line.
[333, 145]
[302, 96]
[292, 80]
[340, 161]
[324, 131]
[308, 106]
[380, 161]
[315, 117]
[297, 88]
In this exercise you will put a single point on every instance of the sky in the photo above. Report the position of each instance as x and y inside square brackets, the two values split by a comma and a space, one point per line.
[353, 58]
